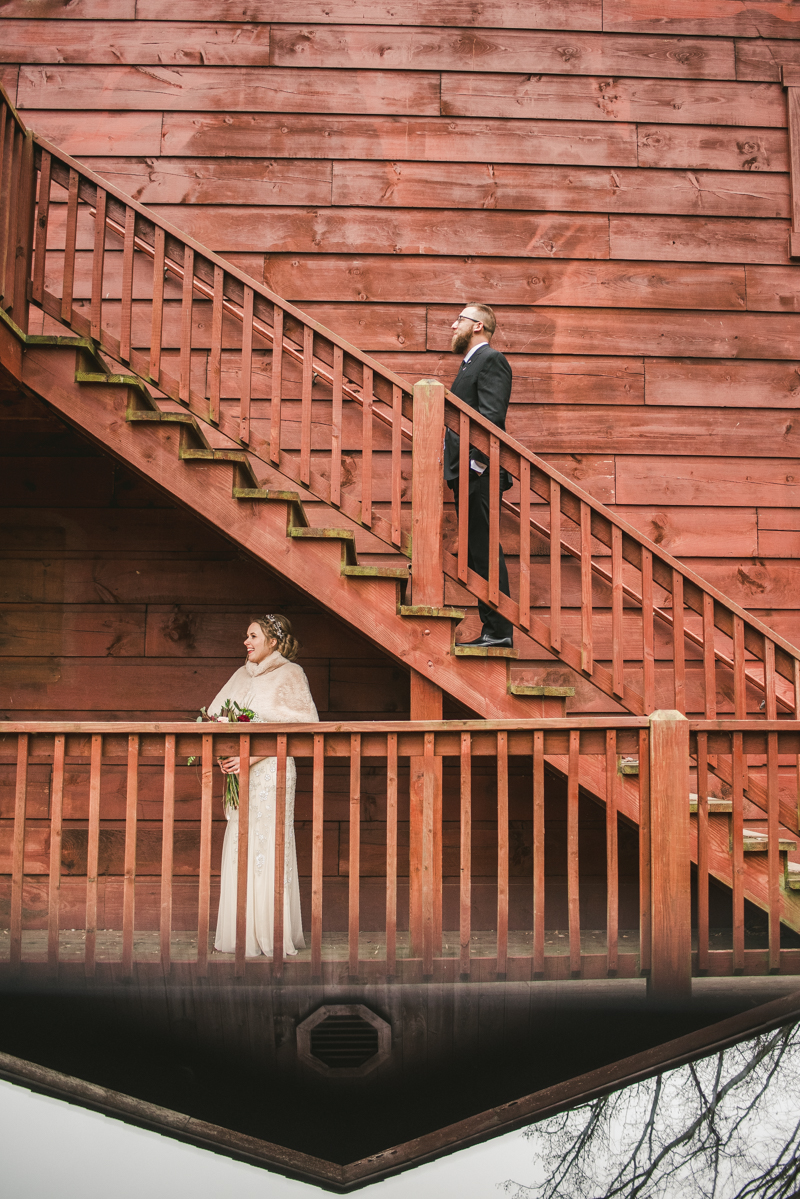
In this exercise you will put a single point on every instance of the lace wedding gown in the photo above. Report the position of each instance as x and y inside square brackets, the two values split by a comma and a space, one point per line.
[277, 691]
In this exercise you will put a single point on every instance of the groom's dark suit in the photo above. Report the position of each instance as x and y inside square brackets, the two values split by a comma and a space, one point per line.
[485, 384]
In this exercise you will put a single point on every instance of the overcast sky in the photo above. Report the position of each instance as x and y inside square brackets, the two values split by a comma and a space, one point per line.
[52, 1149]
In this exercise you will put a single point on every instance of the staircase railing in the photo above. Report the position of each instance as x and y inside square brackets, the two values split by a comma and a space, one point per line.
[594, 592]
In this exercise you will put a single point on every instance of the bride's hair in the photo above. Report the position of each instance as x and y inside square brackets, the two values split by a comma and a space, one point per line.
[279, 628]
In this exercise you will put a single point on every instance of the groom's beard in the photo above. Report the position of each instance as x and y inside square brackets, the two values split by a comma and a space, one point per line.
[460, 342]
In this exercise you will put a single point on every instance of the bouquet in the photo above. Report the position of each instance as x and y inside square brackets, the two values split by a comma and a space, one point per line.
[231, 713]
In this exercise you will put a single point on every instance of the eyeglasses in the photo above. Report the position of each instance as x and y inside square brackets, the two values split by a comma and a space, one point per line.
[463, 316]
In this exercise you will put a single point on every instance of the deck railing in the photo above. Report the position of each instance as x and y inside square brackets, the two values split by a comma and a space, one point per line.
[113, 836]
[588, 587]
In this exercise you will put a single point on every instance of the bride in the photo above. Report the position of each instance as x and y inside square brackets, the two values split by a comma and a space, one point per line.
[272, 686]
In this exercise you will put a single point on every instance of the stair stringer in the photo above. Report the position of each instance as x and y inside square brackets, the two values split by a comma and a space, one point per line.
[205, 487]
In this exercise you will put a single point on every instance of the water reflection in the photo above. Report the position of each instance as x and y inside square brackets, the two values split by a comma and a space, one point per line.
[725, 1127]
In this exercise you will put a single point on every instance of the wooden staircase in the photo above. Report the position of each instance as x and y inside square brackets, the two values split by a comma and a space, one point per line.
[210, 458]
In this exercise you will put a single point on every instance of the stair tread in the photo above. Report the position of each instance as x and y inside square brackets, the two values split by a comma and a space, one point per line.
[423, 610]
[535, 689]
[478, 651]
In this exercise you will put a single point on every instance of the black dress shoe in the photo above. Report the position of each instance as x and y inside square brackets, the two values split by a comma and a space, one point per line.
[486, 642]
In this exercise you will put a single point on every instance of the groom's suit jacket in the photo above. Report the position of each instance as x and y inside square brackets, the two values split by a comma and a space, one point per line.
[485, 384]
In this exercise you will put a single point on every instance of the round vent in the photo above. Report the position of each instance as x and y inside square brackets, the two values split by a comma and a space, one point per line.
[344, 1040]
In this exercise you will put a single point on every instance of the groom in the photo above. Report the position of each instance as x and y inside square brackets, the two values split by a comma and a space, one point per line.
[484, 382]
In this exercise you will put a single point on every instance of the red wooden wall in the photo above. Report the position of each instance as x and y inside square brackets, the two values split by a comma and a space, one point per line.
[612, 180]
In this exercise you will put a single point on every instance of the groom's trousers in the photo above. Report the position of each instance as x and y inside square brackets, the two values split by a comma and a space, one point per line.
[494, 625]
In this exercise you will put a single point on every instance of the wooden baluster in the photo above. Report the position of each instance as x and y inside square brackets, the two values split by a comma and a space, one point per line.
[555, 565]
[612, 856]
[187, 300]
[366, 446]
[354, 889]
[305, 404]
[42, 222]
[502, 851]
[538, 853]
[23, 248]
[156, 327]
[463, 510]
[391, 854]
[276, 393]
[465, 890]
[525, 543]
[587, 651]
[702, 852]
[397, 462]
[773, 855]
[317, 831]
[69, 247]
[129, 881]
[670, 978]
[278, 943]
[243, 852]
[247, 366]
[739, 681]
[617, 633]
[428, 856]
[126, 311]
[93, 854]
[770, 690]
[494, 519]
[678, 644]
[18, 851]
[215, 350]
[15, 167]
[573, 876]
[645, 889]
[336, 427]
[6, 158]
[98, 264]
[56, 830]
[167, 853]
[204, 882]
[709, 661]
[648, 643]
[737, 864]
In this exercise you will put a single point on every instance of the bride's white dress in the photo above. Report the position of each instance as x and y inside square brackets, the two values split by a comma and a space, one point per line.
[277, 691]
[261, 868]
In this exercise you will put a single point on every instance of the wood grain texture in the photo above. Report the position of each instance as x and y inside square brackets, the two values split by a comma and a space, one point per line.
[684, 102]
[413, 138]
[80, 133]
[513, 14]
[709, 148]
[699, 239]
[246, 89]
[576, 189]
[773, 289]
[413, 231]
[731, 384]
[719, 18]
[631, 331]
[645, 429]
[736, 482]
[504, 281]
[83, 10]
[542, 379]
[182, 43]
[762, 58]
[242, 181]
[454, 49]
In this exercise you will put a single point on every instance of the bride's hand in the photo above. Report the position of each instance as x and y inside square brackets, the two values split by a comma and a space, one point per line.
[229, 765]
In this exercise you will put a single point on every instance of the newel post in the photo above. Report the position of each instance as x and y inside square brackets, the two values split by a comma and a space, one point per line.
[427, 495]
[670, 978]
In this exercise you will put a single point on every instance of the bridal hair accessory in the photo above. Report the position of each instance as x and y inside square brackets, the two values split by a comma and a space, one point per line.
[275, 625]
